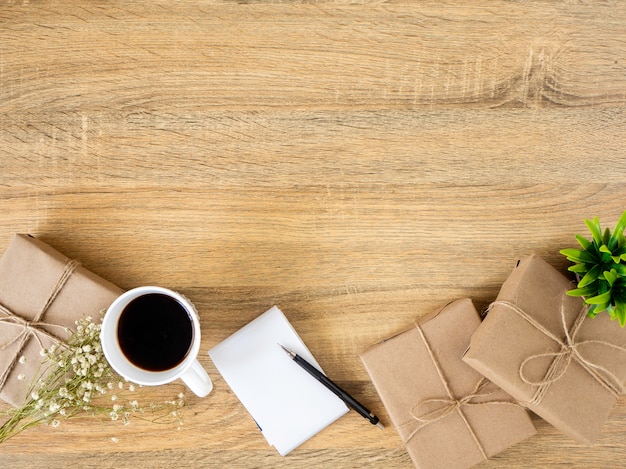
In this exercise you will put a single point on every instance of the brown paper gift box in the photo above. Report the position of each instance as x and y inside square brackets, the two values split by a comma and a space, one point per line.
[447, 415]
[42, 294]
[537, 344]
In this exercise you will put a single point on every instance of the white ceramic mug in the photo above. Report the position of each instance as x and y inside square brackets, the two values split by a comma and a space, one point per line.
[189, 369]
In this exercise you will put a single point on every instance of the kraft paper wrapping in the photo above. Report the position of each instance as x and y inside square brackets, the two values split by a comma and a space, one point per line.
[538, 345]
[447, 414]
[42, 294]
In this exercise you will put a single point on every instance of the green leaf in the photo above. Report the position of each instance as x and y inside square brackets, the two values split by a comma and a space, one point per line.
[604, 248]
[620, 269]
[603, 287]
[621, 239]
[618, 231]
[579, 268]
[619, 298]
[606, 237]
[610, 276]
[620, 313]
[590, 277]
[595, 229]
[576, 255]
[584, 242]
[571, 252]
[621, 224]
[588, 290]
[602, 307]
[602, 299]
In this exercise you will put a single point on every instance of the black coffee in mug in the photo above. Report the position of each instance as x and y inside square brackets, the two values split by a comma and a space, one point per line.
[155, 332]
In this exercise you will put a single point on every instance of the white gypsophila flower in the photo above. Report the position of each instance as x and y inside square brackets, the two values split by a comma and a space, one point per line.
[114, 440]
[55, 423]
[80, 376]
[21, 376]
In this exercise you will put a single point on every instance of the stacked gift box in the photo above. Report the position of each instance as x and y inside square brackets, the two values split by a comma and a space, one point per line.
[446, 413]
[457, 389]
[42, 294]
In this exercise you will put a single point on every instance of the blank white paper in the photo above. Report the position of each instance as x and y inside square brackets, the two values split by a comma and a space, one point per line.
[288, 404]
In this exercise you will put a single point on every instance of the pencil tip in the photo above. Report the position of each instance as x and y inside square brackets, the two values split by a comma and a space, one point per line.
[380, 425]
[289, 352]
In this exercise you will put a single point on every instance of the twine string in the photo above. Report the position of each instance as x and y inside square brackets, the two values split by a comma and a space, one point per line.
[28, 328]
[447, 405]
[569, 349]
[34, 328]
[450, 404]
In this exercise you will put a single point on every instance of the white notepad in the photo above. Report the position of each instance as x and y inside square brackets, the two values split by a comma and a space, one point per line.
[288, 404]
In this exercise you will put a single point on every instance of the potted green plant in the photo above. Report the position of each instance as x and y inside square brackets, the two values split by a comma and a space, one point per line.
[600, 268]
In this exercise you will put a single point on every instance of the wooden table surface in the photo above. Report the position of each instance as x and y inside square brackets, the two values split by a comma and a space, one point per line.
[358, 164]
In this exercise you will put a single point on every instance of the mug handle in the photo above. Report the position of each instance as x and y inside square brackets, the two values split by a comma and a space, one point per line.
[197, 379]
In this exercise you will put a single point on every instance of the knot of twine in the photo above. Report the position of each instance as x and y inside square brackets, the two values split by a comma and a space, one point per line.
[569, 349]
[33, 328]
[449, 404]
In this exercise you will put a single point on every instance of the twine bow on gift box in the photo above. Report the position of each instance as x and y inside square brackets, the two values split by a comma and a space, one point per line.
[569, 349]
[34, 327]
[449, 403]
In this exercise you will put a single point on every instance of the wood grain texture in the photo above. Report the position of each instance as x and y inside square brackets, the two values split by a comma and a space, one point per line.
[358, 164]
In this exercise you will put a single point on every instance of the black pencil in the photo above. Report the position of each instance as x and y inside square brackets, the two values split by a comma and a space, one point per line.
[340, 393]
